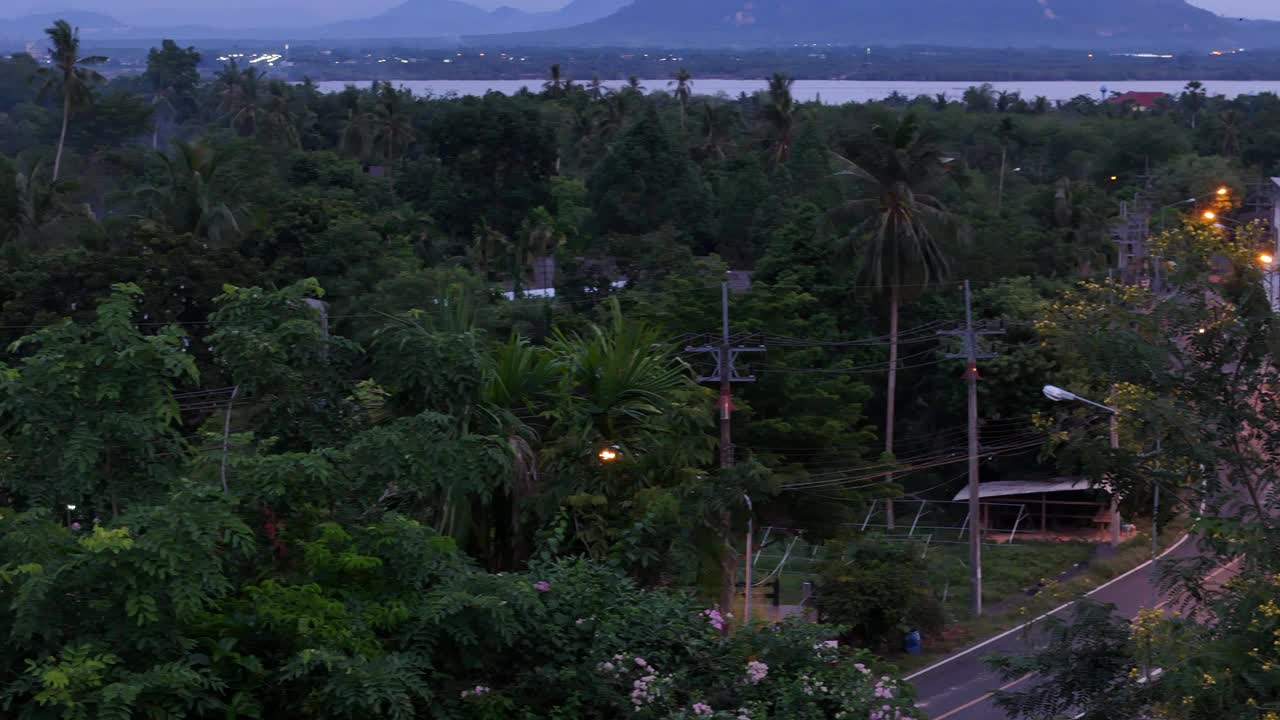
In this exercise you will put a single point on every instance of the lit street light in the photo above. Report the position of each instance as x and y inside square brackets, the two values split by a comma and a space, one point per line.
[1210, 215]
[609, 455]
[1057, 394]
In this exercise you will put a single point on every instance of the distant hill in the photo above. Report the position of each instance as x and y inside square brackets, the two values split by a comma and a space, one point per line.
[32, 26]
[1137, 24]
[434, 18]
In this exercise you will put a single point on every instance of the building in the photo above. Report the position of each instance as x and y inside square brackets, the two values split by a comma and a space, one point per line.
[1141, 101]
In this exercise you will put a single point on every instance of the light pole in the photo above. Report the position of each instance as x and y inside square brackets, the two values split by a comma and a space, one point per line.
[70, 507]
[1057, 394]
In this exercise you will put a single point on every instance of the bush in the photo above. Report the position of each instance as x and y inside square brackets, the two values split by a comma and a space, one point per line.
[184, 610]
[878, 591]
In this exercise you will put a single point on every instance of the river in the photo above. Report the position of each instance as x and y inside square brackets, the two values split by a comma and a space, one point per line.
[837, 92]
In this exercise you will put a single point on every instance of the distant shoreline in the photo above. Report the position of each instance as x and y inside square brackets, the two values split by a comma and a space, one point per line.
[843, 91]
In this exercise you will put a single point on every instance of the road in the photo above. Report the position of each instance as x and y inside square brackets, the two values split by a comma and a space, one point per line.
[961, 687]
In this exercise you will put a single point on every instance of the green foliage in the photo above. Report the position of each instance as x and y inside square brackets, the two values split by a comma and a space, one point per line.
[88, 411]
[876, 589]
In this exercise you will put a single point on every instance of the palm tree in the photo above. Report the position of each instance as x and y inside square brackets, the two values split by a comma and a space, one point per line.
[596, 88]
[487, 247]
[187, 201]
[779, 113]
[633, 84]
[41, 205]
[1005, 132]
[72, 75]
[556, 83]
[1230, 120]
[279, 119]
[1193, 100]
[240, 90]
[353, 136]
[683, 83]
[717, 121]
[897, 220]
[1040, 105]
[392, 127]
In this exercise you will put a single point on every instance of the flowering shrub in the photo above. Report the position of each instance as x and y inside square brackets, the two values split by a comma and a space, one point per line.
[389, 621]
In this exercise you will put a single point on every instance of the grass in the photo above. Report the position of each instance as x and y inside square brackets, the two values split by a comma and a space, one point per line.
[1008, 571]
[963, 633]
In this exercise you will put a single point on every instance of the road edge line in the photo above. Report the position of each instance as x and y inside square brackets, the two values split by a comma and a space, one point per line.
[1054, 611]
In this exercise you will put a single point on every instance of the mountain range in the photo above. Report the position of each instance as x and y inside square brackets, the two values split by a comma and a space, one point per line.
[1116, 24]
[410, 19]
[1145, 24]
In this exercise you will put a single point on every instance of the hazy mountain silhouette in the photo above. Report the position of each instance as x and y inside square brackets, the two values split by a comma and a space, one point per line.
[979, 23]
[434, 18]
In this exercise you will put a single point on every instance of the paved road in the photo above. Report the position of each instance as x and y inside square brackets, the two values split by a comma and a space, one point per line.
[960, 687]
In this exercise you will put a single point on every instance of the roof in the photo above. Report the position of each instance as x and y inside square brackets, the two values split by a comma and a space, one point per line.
[1138, 97]
[1025, 487]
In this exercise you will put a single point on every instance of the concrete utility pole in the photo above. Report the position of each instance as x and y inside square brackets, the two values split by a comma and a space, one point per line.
[726, 356]
[971, 357]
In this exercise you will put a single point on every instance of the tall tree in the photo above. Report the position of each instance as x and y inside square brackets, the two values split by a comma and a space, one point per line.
[556, 83]
[897, 221]
[683, 83]
[392, 126]
[778, 114]
[1005, 132]
[173, 76]
[71, 74]
[1193, 101]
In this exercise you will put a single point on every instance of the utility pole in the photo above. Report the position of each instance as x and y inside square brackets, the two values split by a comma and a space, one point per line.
[971, 357]
[726, 356]
[1115, 495]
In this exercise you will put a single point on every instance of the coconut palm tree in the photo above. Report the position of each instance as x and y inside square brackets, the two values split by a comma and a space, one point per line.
[556, 84]
[240, 91]
[1230, 120]
[353, 136]
[71, 75]
[778, 114]
[897, 221]
[717, 121]
[188, 201]
[596, 88]
[279, 121]
[391, 125]
[1193, 100]
[683, 83]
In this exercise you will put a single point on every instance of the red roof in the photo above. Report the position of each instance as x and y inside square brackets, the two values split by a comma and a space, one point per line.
[1141, 99]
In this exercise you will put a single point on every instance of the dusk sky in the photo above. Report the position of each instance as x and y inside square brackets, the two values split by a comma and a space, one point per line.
[242, 13]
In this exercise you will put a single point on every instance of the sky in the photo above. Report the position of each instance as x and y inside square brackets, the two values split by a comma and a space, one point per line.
[259, 13]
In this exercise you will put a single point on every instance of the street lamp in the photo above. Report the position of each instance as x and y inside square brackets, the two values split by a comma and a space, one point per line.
[1210, 215]
[1057, 394]
[70, 507]
[609, 454]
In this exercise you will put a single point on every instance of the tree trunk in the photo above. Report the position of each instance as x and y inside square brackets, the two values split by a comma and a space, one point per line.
[890, 400]
[62, 137]
[1004, 154]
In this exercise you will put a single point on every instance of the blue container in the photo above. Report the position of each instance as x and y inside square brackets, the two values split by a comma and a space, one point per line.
[911, 642]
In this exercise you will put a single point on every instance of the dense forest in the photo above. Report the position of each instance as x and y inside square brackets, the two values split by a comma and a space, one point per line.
[371, 405]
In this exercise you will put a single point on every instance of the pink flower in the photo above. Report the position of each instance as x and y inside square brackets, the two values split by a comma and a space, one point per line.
[542, 586]
[702, 709]
[756, 671]
[715, 618]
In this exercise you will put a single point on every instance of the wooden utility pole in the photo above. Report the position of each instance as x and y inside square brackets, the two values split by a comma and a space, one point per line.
[726, 355]
[971, 356]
